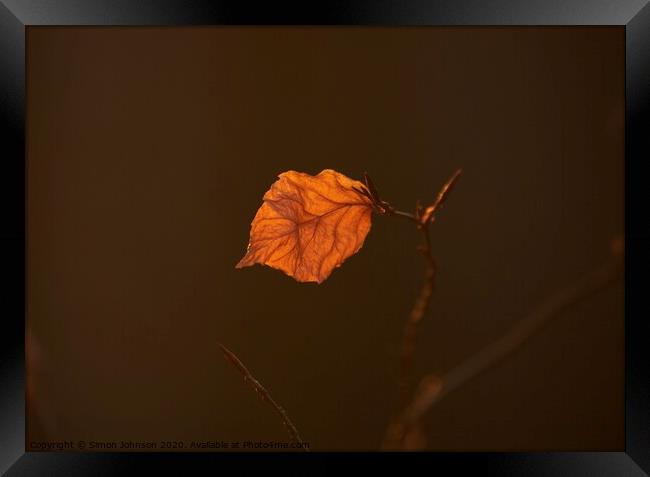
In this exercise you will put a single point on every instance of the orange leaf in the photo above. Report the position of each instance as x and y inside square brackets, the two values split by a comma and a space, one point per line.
[308, 225]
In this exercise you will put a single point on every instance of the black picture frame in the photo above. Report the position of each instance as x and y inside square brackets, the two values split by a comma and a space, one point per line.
[17, 15]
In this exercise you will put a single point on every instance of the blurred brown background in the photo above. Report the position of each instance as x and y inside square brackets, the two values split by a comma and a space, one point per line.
[149, 150]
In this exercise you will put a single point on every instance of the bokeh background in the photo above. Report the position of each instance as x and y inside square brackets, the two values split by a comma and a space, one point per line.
[149, 150]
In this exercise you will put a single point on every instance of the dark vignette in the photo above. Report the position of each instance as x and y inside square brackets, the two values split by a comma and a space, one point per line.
[469, 12]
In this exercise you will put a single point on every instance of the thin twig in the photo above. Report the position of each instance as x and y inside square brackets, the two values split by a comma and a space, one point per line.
[264, 395]
[406, 215]
[409, 339]
[411, 327]
[433, 388]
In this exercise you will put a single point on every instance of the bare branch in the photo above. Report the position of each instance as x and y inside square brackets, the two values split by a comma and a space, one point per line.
[433, 388]
[409, 340]
[264, 394]
[429, 212]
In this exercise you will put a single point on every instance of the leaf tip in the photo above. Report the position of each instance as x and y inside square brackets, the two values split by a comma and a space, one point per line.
[240, 264]
[245, 261]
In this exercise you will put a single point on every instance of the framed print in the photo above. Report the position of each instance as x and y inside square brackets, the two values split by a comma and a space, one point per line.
[405, 231]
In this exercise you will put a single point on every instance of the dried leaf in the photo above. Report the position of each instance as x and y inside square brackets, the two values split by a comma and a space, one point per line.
[308, 225]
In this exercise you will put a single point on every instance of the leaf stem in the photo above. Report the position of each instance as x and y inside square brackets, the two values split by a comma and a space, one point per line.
[406, 215]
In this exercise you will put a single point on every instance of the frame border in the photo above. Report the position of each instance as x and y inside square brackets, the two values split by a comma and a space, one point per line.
[17, 15]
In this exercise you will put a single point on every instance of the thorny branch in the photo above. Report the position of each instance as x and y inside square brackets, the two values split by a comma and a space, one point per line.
[264, 395]
[433, 388]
